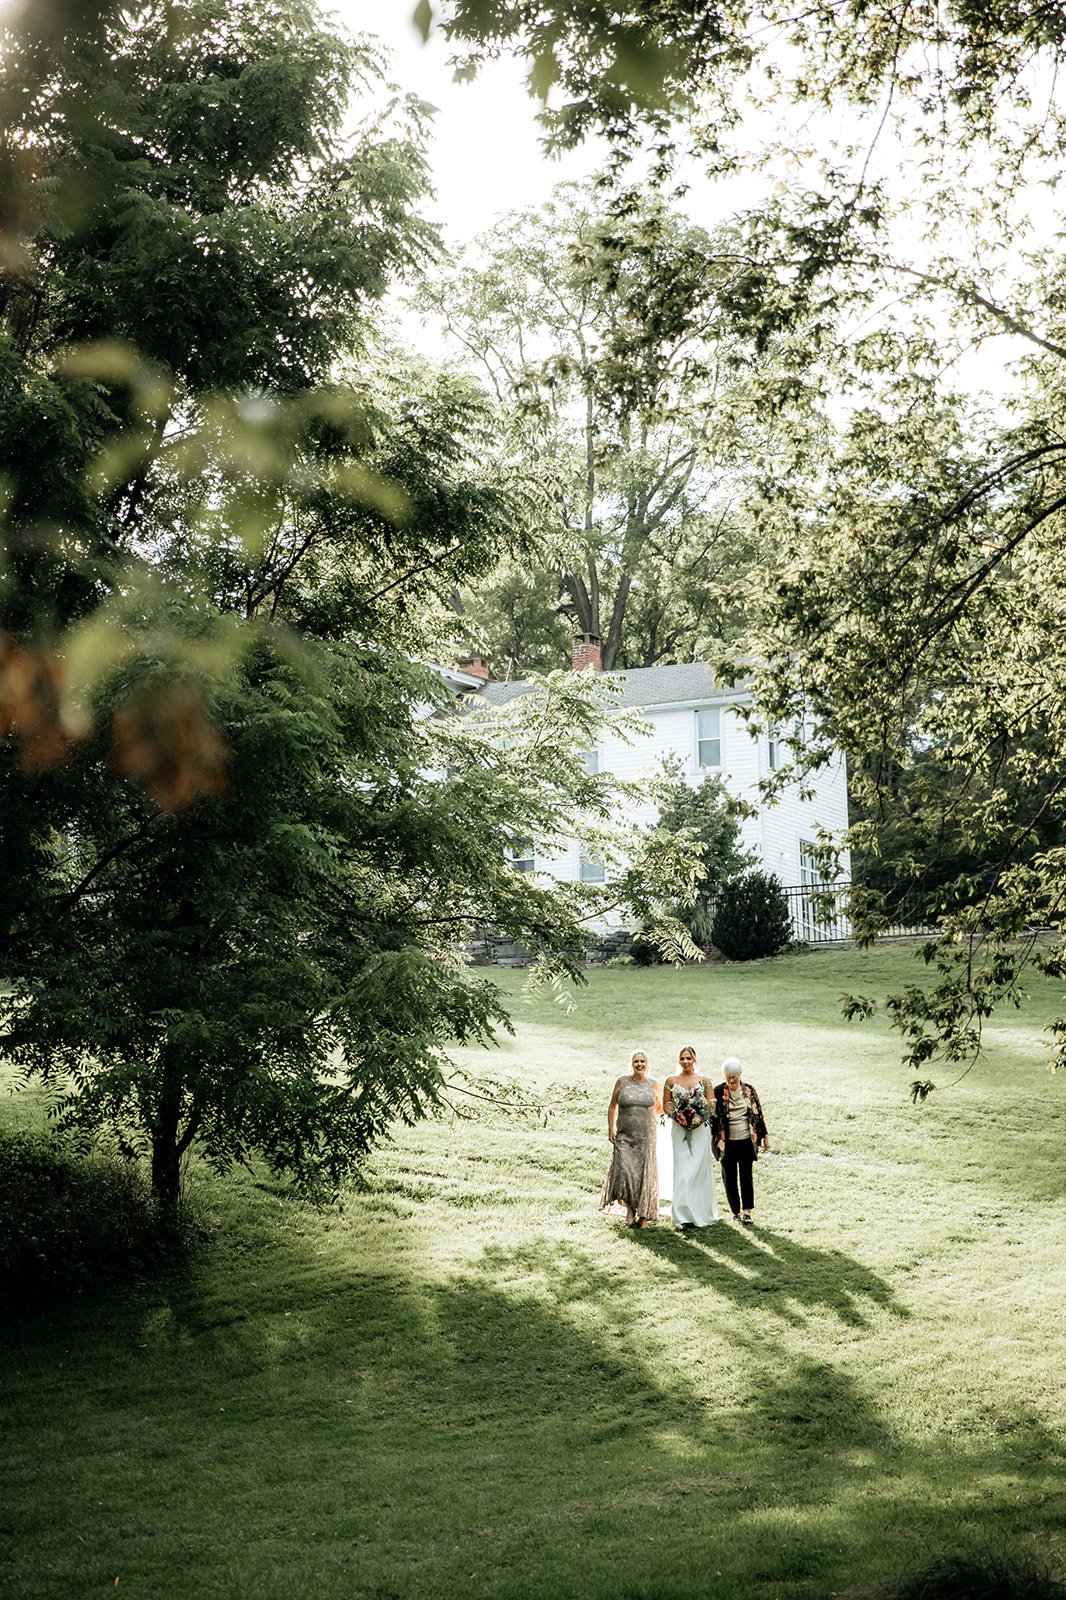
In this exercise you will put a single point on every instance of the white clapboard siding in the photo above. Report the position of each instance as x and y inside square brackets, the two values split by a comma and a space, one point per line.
[669, 700]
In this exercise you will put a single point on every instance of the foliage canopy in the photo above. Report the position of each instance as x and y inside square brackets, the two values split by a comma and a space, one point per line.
[244, 829]
[629, 399]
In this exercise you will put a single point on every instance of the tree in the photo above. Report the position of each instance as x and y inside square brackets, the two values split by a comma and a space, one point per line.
[277, 970]
[918, 628]
[516, 616]
[914, 619]
[630, 400]
[176, 234]
[636, 71]
[244, 831]
[709, 815]
[911, 841]
[192, 226]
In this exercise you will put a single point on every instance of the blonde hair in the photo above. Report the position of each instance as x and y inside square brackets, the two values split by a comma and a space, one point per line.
[639, 1051]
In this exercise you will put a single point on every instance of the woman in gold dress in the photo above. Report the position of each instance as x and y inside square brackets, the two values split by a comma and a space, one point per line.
[633, 1176]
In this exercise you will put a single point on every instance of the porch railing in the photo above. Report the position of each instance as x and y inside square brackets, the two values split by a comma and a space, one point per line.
[820, 914]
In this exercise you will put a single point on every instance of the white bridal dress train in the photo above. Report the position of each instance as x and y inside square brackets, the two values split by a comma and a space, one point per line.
[665, 1153]
[694, 1201]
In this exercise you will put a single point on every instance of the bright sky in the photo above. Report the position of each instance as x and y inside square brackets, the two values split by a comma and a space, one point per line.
[487, 157]
[486, 153]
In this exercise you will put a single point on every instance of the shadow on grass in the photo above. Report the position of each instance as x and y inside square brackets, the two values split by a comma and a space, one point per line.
[769, 1269]
[757, 1269]
[306, 1420]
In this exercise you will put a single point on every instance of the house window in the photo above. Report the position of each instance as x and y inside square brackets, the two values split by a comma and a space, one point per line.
[522, 856]
[773, 748]
[592, 762]
[591, 870]
[709, 737]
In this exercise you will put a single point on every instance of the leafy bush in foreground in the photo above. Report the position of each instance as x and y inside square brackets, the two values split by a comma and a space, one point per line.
[70, 1222]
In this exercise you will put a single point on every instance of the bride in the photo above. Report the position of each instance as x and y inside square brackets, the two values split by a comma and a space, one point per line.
[688, 1101]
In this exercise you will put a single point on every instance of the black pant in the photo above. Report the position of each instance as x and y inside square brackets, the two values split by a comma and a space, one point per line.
[738, 1157]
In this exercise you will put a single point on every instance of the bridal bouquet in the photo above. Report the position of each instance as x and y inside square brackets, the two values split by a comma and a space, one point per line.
[692, 1109]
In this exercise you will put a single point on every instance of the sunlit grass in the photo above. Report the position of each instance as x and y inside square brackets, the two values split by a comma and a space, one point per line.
[466, 1381]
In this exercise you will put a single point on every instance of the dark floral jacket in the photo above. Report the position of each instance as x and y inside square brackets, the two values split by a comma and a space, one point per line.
[756, 1120]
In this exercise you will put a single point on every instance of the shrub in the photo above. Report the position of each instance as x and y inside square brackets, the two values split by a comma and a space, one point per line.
[981, 1577]
[751, 918]
[711, 817]
[644, 951]
[71, 1222]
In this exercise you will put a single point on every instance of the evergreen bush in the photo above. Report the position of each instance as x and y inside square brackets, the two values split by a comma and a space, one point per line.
[751, 918]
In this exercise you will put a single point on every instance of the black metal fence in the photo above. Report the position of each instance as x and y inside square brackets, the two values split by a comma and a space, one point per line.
[821, 914]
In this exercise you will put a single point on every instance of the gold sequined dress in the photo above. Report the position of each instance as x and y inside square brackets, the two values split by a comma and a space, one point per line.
[633, 1176]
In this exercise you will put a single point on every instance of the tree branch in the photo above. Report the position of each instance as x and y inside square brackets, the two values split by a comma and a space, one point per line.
[69, 896]
[413, 572]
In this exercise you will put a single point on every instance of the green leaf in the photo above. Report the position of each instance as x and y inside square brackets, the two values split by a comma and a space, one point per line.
[422, 17]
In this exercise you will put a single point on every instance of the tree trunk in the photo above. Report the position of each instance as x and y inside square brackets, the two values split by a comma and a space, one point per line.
[613, 642]
[166, 1140]
[166, 1171]
[586, 605]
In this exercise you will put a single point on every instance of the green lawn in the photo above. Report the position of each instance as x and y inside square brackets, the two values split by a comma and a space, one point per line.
[467, 1382]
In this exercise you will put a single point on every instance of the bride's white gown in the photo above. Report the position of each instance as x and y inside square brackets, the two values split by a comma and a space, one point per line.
[694, 1198]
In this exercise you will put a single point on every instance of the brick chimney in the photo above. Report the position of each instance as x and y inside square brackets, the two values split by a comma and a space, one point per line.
[585, 652]
[475, 667]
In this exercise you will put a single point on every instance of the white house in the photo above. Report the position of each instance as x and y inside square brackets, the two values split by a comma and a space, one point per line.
[689, 715]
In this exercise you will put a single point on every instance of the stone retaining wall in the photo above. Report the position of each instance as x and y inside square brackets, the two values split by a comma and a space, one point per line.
[491, 949]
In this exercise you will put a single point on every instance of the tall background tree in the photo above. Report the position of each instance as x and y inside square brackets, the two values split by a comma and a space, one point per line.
[631, 402]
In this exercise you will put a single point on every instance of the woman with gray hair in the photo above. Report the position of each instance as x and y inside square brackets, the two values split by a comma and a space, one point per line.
[740, 1133]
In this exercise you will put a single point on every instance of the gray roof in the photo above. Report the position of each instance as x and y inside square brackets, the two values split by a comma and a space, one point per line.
[643, 686]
